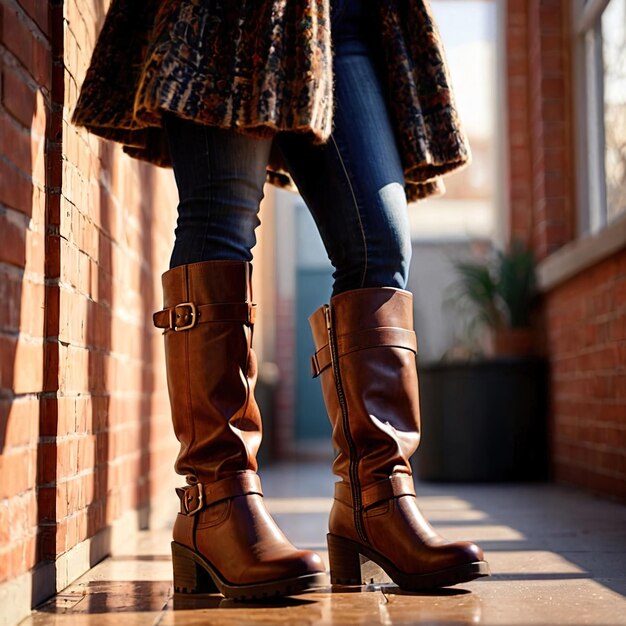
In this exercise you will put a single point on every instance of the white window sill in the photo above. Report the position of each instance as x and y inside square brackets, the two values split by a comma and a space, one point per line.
[576, 256]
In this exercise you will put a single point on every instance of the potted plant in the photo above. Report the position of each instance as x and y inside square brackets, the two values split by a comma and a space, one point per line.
[497, 295]
[484, 417]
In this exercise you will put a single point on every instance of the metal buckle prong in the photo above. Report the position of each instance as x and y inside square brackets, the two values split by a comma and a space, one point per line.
[251, 314]
[315, 366]
[192, 312]
[200, 489]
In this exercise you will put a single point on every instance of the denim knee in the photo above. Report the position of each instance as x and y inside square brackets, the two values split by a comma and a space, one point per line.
[386, 235]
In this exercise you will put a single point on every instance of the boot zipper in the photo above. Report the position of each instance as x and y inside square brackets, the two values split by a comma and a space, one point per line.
[352, 452]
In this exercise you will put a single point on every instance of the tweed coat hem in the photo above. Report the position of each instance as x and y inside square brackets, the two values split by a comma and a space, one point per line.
[265, 67]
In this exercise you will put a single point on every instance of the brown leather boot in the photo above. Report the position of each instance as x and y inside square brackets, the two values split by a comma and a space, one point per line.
[365, 356]
[224, 538]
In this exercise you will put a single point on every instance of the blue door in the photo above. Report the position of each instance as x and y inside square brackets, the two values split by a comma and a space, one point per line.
[313, 287]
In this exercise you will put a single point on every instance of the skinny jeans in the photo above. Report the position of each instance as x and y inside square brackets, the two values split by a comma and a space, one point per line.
[353, 185]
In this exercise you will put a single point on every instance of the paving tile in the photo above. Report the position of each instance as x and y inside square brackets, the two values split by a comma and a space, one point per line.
[558, 557]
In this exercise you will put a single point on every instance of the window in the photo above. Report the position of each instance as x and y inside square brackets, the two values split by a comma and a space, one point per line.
[600, 70]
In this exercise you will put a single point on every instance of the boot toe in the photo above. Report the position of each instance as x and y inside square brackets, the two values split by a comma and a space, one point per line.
[445, 556]
[470, 551]
[294, 564]
[462, 553]
[299, 563]
[310, 562]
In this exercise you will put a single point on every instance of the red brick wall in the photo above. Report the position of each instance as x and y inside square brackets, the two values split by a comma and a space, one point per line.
[85, 233]
[518, 70]
[586, 320]
[540, 123]
[551, 121]
[25, 105]
[585, 317]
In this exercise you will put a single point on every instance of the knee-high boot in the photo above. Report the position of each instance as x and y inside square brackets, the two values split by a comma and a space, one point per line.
[224, 538]
[365, 356]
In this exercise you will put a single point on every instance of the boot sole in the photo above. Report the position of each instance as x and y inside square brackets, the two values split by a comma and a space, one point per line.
[195, 575]
[346, 557]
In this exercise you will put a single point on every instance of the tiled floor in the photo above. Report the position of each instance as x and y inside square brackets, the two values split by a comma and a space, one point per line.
[558, 557]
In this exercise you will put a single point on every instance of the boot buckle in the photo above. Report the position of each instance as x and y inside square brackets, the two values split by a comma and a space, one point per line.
[251, 315]
[187, 499]
[192, 314]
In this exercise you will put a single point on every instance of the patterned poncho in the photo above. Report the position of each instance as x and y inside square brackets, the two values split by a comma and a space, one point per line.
[261, 67]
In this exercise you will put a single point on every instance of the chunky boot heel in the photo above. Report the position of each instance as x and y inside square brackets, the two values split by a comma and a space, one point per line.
[189, 575]
[345, 562]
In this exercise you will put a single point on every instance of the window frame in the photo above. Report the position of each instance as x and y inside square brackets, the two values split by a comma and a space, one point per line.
[597, 238]
[588, 76]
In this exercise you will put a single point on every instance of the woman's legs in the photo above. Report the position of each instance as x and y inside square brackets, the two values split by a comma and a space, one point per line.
[220, 176]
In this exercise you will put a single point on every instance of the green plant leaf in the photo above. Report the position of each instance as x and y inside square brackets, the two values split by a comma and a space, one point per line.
[516, 283]
[494, 293]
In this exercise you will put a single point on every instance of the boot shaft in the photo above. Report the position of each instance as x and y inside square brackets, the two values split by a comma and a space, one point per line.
[211, 368]
[210, 282]
[365, 356]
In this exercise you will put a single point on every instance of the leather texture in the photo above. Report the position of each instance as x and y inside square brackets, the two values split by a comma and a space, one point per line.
[371, 394]
[211, 374]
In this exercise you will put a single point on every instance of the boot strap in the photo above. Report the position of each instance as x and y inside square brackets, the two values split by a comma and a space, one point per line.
[393, 487]
[197, 497]
[186, 315]
[362, 340]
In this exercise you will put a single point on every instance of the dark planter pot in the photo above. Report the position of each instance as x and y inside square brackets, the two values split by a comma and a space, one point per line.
[483, 421]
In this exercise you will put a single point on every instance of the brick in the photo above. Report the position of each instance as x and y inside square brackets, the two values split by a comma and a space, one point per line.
[18, 96]
[73, 369]
[21, 364]
[618, 288]
[15, 143]
[46, 503]
[617, 328]
[25, 311]
[16, 190]
[5, 529]
[68, 500]
[19, 420]
[552, 67]
[46, 548]
[619, 381]
[21, 466]
[5, 560]
[613, 462]
[552, 87]
[21, 37]
[610, 485]
[38, 11]
[47, 470]
[10, 293]
[36, 257]
[22, 515]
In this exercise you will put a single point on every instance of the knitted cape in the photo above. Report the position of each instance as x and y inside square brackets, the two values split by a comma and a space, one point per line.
[263, 66]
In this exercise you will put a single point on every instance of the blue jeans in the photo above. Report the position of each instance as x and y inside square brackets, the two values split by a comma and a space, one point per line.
[353, 185]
